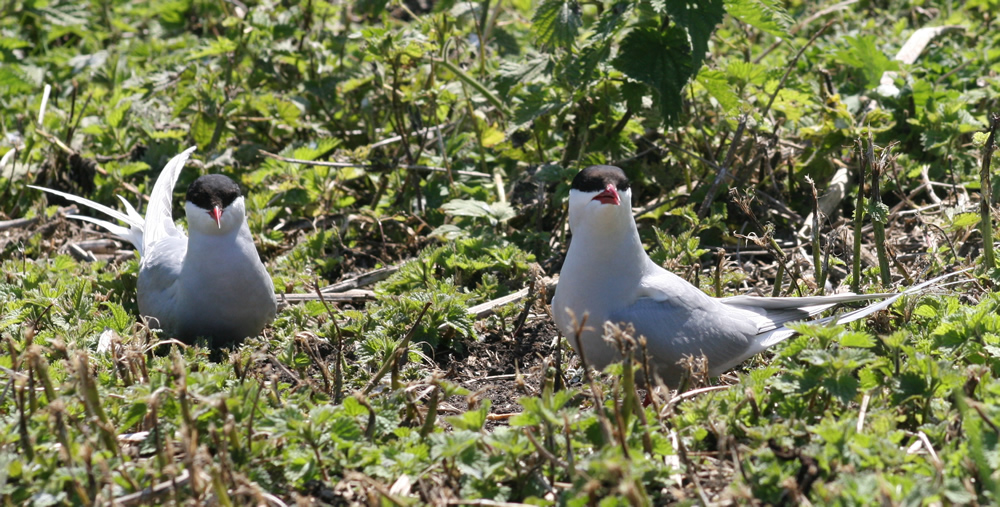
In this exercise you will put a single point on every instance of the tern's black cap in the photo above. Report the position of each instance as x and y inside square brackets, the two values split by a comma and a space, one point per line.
[596, 178]
[213, 190]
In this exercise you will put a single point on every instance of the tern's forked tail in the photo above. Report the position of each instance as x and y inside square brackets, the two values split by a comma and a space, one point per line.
[133, 233]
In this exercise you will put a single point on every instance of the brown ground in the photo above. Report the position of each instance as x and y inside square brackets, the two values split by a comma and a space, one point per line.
[491, 368]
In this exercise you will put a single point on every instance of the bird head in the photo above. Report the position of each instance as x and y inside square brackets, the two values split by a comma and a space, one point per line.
[599, 196]
[214, 205]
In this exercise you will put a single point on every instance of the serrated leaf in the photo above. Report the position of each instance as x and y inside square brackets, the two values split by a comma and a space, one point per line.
[219, 46]
[524, 71]
[473, 419]
[718, 87]
[12, 317]
[115, 116]
[556, 22]
[491, 137]
[466, 208]
[271, 105]
[580, 70]
[496, 212]
[660, 60]
[353, 407]
[119, 319]
[202, 129]
[93, 61]
[857, 339]
[10, 43]
[746, 72]
[633, 93]
[12, 81]
[534, 106]
[878, 212]
[134, 416]
[862, 54]
[611, 20]
[314, 149]
[765, 15]
[699, 19]
[67, 14]
[843, 386]
[963, 220]
[502, 211]
[792, 103]
[868, 379]
[168, 134]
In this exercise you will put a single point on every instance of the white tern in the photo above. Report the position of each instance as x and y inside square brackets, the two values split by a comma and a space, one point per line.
[608, 276]
[210, 284]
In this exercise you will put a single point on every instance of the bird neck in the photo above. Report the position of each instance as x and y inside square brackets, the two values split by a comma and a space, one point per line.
[611, 246]
[221, 251]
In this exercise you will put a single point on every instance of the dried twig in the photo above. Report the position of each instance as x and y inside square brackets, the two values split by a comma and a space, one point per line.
[723, 171]
[350, 296]
[986, 204]
[486, 309]
[864, 410]
[361, 280]
[859, 214]
[148, 495]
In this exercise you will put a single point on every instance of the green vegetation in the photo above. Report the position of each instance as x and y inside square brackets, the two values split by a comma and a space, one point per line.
[456, 128]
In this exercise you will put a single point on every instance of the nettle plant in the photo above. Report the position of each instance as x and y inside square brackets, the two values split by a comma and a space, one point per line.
[594, 79]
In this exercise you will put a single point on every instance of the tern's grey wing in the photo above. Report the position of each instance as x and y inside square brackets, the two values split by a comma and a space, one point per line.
[677, 328]
[159, 213]
[771, 319]
[158, 286]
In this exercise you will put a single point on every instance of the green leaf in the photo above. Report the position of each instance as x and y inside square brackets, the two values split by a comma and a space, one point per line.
[471, 420]
[219, 46]
[660, 60]
[925, 311]
[699, 18]
[963, 220]
[466, 208]
[556, 22]
[765, 15]
[523, 71]
[136, 412]
[862, 54]
[12, 81]
[612, 20]
[857, 339]
[843, 386]
[792, 103]
[979, 139]
[746, 72]
[202, 129]
[491, 137]
[119, 320]
[496, 212]
[878, 212]
[718, 87]
[115, 116]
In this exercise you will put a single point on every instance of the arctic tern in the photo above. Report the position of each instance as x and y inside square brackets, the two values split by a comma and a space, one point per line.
[608, 276]
[210, 284]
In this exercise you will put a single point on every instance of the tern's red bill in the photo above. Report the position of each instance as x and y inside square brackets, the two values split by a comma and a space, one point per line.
[216, 214]
[609, 195]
